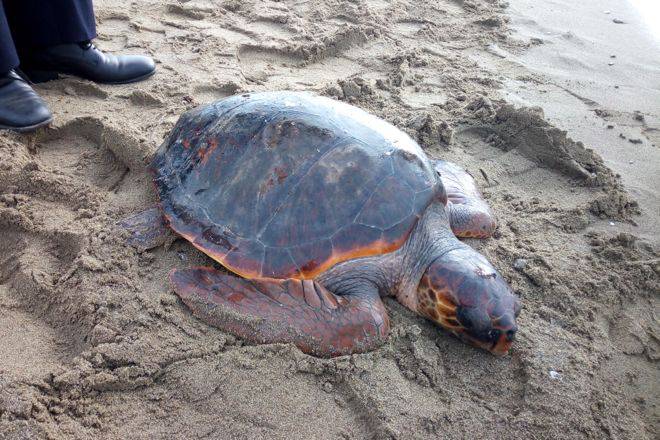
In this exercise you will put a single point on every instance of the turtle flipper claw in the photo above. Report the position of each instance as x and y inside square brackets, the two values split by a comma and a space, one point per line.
[267, 310]
[469, 214]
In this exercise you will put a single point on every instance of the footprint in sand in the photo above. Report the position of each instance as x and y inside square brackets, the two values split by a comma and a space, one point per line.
[271, 28]
[259, 63]
[76, 152]
[195, 10]
[206, 92]
[37, 260]
[65, 176]
[31, 269]
[408, 27]
[323, 61]
[76, 87]
[47, 348]
[101, 155]
[379, 5]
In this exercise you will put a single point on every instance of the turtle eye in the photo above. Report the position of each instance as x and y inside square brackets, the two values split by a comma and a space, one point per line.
[494, 334]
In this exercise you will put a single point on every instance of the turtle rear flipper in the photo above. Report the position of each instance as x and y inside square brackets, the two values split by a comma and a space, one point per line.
[282, 311]
[469, 214]
[147, 229]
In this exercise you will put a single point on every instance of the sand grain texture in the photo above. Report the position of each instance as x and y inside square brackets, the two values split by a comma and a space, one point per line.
[94, 344]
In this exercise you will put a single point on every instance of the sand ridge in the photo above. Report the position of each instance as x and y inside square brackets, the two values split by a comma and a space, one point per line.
[96, 345]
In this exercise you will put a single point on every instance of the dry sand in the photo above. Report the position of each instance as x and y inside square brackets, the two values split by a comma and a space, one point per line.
[94, 344]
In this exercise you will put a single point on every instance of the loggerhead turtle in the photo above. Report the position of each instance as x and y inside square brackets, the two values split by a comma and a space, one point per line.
[319, 209]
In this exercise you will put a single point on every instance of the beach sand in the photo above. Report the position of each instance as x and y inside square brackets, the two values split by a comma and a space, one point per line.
[94, 344]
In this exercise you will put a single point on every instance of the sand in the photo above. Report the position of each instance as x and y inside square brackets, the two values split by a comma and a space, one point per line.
[94, 344]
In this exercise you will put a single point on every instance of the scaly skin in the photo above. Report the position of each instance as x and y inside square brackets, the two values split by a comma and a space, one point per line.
[281, 311]
[470, 215]
[444, 280]
[320, 208]
[432, 274]
[463, 293]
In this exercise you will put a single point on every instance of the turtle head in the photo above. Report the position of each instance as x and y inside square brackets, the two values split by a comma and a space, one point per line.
[462, 292]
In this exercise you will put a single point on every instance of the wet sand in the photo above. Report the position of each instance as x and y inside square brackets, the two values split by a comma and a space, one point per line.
[96, 345]
[601, 83]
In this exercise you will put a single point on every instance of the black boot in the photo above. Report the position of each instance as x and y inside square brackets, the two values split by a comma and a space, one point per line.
[21, 109]
[86, 61]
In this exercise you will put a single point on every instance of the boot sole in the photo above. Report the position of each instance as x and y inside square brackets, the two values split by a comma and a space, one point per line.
[42, 76]
[26, 129]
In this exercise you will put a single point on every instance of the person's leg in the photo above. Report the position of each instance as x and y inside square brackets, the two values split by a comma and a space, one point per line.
[8, 56]
[21, 109]
[39, 23]
[54, 37]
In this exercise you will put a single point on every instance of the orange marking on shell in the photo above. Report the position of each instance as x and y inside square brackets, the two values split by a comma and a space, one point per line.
[377, 248]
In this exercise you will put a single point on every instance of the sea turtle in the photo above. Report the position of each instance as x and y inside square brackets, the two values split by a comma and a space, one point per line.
[318, 209]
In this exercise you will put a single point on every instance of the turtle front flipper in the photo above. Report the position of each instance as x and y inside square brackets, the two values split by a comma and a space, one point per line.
[469, 214]
[147, 229]
[281, 311]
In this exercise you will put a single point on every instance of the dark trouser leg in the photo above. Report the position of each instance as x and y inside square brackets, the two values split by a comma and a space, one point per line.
[39, 23]
[49, 36]
[8, 57]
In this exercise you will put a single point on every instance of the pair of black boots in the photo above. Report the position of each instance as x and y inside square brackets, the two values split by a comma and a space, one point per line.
[22, 109]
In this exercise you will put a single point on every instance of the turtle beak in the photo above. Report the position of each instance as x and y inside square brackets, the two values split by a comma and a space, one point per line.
[499, 347]
[465, 337]
[503, 344]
